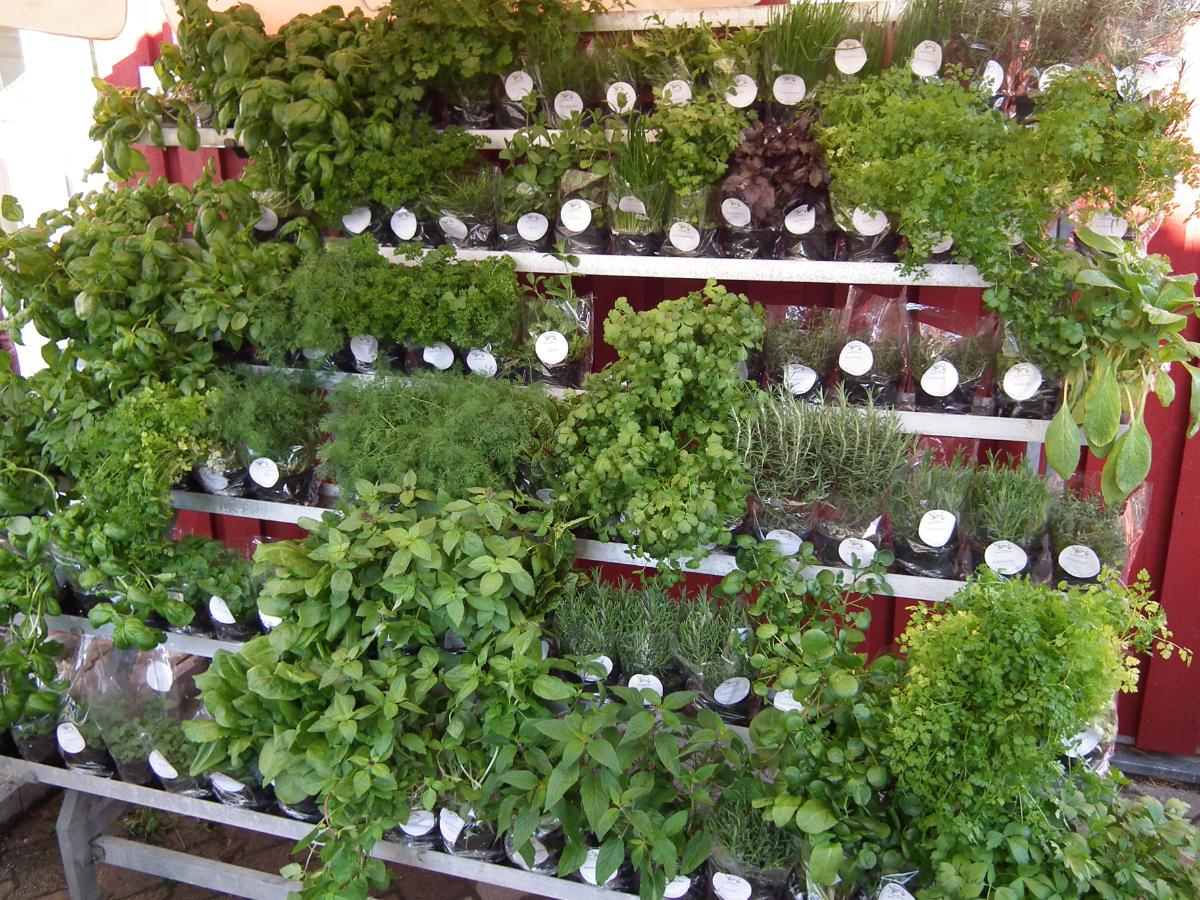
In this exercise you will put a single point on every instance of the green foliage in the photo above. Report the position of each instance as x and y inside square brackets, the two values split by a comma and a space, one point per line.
[28, 659]
[690, 53]
[638, 170]
[810, 339]
[1008, 503]
[201, 568]
[651, 439]
[650, 619]
[696, 140]
[929, 485]
[1076, 519]
[539, 159]
[268, 413]
[24, 488]
[589, 617]
[744, 831]
[801, 40]
[469, 194]
[710, 640]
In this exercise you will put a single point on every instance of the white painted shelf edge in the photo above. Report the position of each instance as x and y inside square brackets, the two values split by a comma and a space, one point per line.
[279, 826]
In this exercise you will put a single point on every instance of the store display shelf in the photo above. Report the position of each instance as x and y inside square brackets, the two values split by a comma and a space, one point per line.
[731, 16]
[244, 508]
[191, 644]
[278, 826]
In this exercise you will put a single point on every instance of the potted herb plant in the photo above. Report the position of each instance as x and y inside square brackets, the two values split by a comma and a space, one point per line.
[545, 847]
[800, 350]
[583, 210]
[925, 508]
[420, 827]
[465, 205]
[675, 60]
[1024, 389]
[637, 193]
[568, 81]
[797, 52]
[644, 642]
[712, 647]
[1006, 515]
[619, 79]
[874, 329]
[587, 623]
[752, 858]
[948, 368]
[524, 210]
[1085, 537]
[222, 474]
[557, 333]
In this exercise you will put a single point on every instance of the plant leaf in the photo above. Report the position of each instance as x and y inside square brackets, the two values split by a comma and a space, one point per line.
[815, 816]
[550, 688]
[1102, 417]
[1133, 463]
[824, 863]
[1062, 443]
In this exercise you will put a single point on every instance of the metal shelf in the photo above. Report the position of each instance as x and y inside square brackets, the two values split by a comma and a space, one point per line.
[191, 644]
[243, 508]
[279, 826]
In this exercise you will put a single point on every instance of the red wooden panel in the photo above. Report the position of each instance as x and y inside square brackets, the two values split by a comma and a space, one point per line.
[192, 522]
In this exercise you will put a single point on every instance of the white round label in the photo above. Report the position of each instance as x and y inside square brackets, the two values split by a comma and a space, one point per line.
[1022, 381]
[576, 215]
[545, 649]
[69, 738]
[439, 355]
[677, 887]
[801, 220]
[677, 92]
[1005, 557]
[224, 783]
[895, 892]
[1107, 224]
[735, 212]
[312, 354]
[551, 347]
[631, 204]
[269, 621]
[799, 378]
[1079, 561]
[650, 683]
[364, 348]
[743, 92]
[589, 673]
[785, 701]
[540, 855]
[869, 224]
[1047, 77]
[1083, 743]
[992, 79]
[789, 542]
[212, 480]
[481, 362]
[850, 56]
[856, 552]
[789, 90]
[732, 690]
[926, 59]
[451, 825]
[731, 887]
[940, 379]
[518, 85]
[533, 226]
[944, 244]
[684, 237]
[567, 104]
[588, 870]
[219, 610]
[856, 358]
[420, 821]
[404, 224]
[620, 96]
[267, 219]
[159, 676]
[357, 220]
[264, 472]
[545, 495]
[936, 527]
[160, 767]
[453, 227]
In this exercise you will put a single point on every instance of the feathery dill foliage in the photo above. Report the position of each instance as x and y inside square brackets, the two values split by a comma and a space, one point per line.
[455, 432]
[1008, 503]
[649, 619]
[1087, 521]
[929, 485]
[801, 39]
[745, 831]
[708, 640]
[269, 413]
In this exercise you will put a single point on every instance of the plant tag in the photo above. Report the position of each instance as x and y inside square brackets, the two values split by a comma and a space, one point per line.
[992, 79]
[850, 56]
[439, 355]
[895, 892]
[588, 870]
[940, 379]
[731, 887]
[545, 495]
[211, 480]
[620, 96]
[735, 212]
[269, 621]
[799, 378]
[420, 822]
[533, 226]
[677, 887]
[650, 683]
[732, 691]
[1107, 224]
[1083, 743]
[403, 224]
[1022, 381]
[267, 219]
[631, 204]
[1047, 77]
[1005, 557]
[677, 92]
[800, 220]
[1079, 561]
[936, 527]
[785, 701]
[856, 358]
[545, 649]
[264, 472]
[518, 85]
[1155, 72]
[453, 227]
[357, 220]
[312, 354]
[684, 237]
[160, 767]
[224, 783]
[589, 674]
[69, 738]
[567, 104]
[364, 348]
[743, 93]
[551, 348]
[159, 676]
[926, 59]
[789, 542]
[481, 362]
[576, 215]
[869, 224]
[451, 825]
[219, 610]
[856, 552]
[540, 855]
[789, 90]
[944, 244]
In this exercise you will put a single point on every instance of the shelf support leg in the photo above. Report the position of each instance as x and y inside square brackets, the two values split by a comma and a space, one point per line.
[82, 819]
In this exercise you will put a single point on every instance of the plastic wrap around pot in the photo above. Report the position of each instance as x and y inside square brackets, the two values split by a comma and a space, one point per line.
[405, 226]
[436, 357]
[847, 536]
[873, 333]
[869, 234]
[470, 102]
[788, 523]
[420, 830]
[77, 733]
[807, 230]
[743, 233]
[800, 349]
[1096, 743]
[557, 332]
[925, 510]
[365, 354]
[305, 810]
[636, 217]
[466, 231]
[69, 573]
[691, 225]
[465, 835]
[582, 223]
[1006, 558]
[222, 474]
[285, 478]
[721, 684]
[730, 878]
[33, 733]
[518, 100]
[1024, 389]
[226, 626]
[242, 789]
[369, 218]
[171, 754]
[620, 880]
[524, 217]
[1086, 537]
[546, 846]
[949, 367]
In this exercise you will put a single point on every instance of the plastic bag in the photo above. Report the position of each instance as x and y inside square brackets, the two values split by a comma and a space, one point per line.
[800, 349]
[789, 523]
[582, 212]
[691, 225]
[1024, 389]
[465, 835]
[71, 575]
[222, 474]
[557, 328]
[420, 830]
[925, 510]
[893, 887]
[873, 334]
[517, 98]
[807, 230]
[949, 367]
[33, 733]
[869, 235]
[405, 226]
[77, 733]
[636, 217]
[231, 599]
[744, 233]
[286, 479]
[466, 209]
[618, 81]
[620, 880]
[242, 788]
[305, 810]
[546, 846]
[523, 217]
[1086, 536]
[1096, 742]
[370, 218]
[437, 357]
[471, 102]
[721, 683]
[847, 534]
[365, 354]
[732, 879]
[1007, 526]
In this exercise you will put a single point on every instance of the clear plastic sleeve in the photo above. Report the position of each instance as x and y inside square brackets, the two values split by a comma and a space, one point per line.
[1087, 536]
[545, 847]
[1025, 389]
[77, 733]
[518, 98]
[557, 337]
[873, 335]
[744, 231]
[524, 216]
[367, 218]
[869, 235]
[691, 225]
[464, 834]
[365, 354]
[807, 230]
[419, 830]
[721, 683]
[285, 478]
[581, 223]
[465, 210]
[800, 349]
[622, 879]
[950, 367]
[847, 534]
[33, 733]
[406, 226]
[242, 788]
[925, 512]
[730, 878]
[222, 474]
[471, 102]
[636, 216]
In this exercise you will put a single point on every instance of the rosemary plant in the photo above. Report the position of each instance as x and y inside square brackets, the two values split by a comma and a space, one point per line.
[588, 618]
[970, 355]
[801, 40]
[1086, 520]
[638, 172]
[863, 449]
[780, 440]
[649, 619]
[929, 485]
[811, 340]
[1008, 503]
[740, 827]
[709, 640]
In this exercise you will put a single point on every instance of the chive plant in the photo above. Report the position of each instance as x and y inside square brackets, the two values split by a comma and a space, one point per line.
[638, 175]
[801, 40]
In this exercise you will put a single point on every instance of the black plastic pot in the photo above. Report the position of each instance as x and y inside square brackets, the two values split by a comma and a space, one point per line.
[730, 878]
[959, 401]
[467, 232]
[1076, 564]
[636, 244]
[464, 835]
[914, 557]
[732, 699]
[1025, 392]
[244, 792]
[403, 227]
[620, 880]
[547, 843]
[306, 810]
[34, 740]
[531, 233]
[688, 239]
[438, 357]
[882, 389]
[840, 539]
